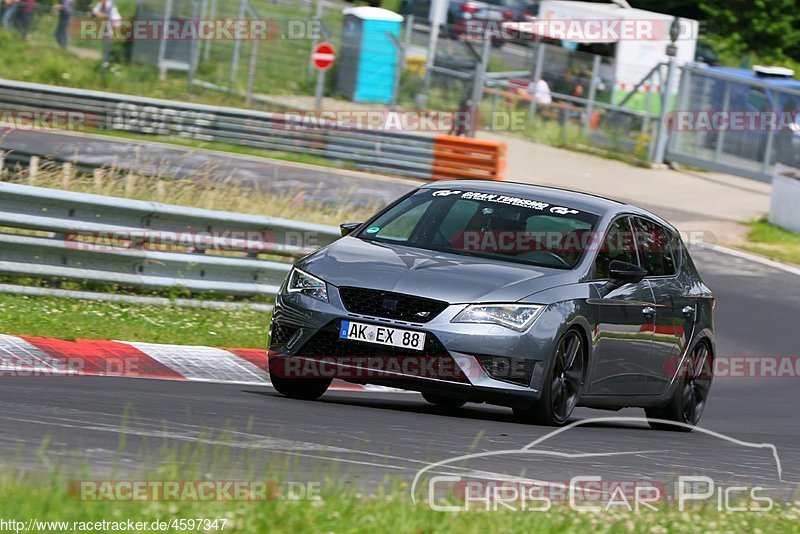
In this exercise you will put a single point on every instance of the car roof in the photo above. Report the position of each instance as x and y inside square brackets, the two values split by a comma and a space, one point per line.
[596, 204]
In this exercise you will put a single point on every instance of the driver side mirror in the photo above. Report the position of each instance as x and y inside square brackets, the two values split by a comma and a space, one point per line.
[348, 227]
[623, 273]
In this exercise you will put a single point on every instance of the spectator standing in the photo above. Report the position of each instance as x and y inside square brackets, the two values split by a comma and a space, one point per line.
[541, 92]
[25, 15]
[106, 12]
[9, 13]
[64, 9]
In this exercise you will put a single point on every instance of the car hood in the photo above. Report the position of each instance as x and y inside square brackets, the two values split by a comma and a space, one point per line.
[443, 276]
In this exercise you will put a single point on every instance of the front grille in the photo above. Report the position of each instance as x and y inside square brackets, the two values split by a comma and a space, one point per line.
[432, 362]
[390, 305]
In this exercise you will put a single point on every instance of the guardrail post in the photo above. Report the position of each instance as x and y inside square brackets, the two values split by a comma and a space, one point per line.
[130, 183]
[33, 168]
[97, 176]
[66, 174]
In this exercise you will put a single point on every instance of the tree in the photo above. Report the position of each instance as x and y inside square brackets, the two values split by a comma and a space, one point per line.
[769, 28]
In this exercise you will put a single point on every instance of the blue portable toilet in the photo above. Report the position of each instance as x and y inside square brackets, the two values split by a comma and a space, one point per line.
[368, 58]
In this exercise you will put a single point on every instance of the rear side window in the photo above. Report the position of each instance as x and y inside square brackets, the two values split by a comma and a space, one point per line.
[618, 244]
[656, 247]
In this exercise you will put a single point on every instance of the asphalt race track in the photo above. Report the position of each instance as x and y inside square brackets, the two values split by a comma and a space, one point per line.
[363, 437]
[124, 425]
[318, 184]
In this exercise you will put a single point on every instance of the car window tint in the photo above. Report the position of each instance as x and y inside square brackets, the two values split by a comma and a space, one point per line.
[543, 223]
[486, 225]
[400, 229]
[459, 216]
[618, 244]
[655, 246]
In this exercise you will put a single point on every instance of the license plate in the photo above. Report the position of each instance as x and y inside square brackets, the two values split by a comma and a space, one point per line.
[382, 335]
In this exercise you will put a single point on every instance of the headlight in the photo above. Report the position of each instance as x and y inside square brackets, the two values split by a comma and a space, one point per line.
[302, 282]
[514, 316]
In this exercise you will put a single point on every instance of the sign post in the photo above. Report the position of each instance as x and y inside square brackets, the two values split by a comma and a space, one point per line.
[322, 59]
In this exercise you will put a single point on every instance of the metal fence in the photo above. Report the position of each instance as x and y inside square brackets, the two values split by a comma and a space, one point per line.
[576, 103]
[263, 69]
[750, 150]
[50, 233]
[394, 152]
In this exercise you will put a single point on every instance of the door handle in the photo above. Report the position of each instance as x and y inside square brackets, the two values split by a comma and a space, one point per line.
[648, 311]
[688, 311]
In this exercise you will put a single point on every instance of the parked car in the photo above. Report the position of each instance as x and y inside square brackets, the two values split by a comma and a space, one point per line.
[483, 12]
[535, 298]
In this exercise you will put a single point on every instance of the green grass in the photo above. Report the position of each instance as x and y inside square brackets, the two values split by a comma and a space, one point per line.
[772, 241]
[72, 319]
[344, 510]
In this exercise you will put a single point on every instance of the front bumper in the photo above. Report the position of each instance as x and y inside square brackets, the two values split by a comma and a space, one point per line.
[305, 331]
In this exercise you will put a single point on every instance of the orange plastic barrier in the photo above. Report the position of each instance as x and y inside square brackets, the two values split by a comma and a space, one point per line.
[465, 158]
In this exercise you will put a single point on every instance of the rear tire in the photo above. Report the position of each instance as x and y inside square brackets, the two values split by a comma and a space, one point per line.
[301, 388]
[689, 398]
[444, 402]
[562, 385]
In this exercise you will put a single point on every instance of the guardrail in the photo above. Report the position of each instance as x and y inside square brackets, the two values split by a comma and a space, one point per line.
[148, 245]
[394, 152]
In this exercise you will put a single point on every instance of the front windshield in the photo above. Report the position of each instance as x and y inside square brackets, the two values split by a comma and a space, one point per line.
[486, 225]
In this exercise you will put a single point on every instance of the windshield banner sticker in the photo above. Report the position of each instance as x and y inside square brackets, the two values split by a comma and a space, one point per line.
[507, 200]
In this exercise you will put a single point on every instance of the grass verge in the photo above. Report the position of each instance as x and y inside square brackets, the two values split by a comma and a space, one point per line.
[773, 241]
[71, 319]
[204, 190]
[348, 511]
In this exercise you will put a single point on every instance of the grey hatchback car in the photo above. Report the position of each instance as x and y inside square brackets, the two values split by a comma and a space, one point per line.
[534, 298]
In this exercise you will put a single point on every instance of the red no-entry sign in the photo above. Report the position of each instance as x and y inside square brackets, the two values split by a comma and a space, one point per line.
[323, 56]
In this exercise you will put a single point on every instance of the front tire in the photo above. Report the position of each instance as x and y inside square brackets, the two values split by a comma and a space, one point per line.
[300, 387]
[444, 402]
[689, 399]
[562, 386]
